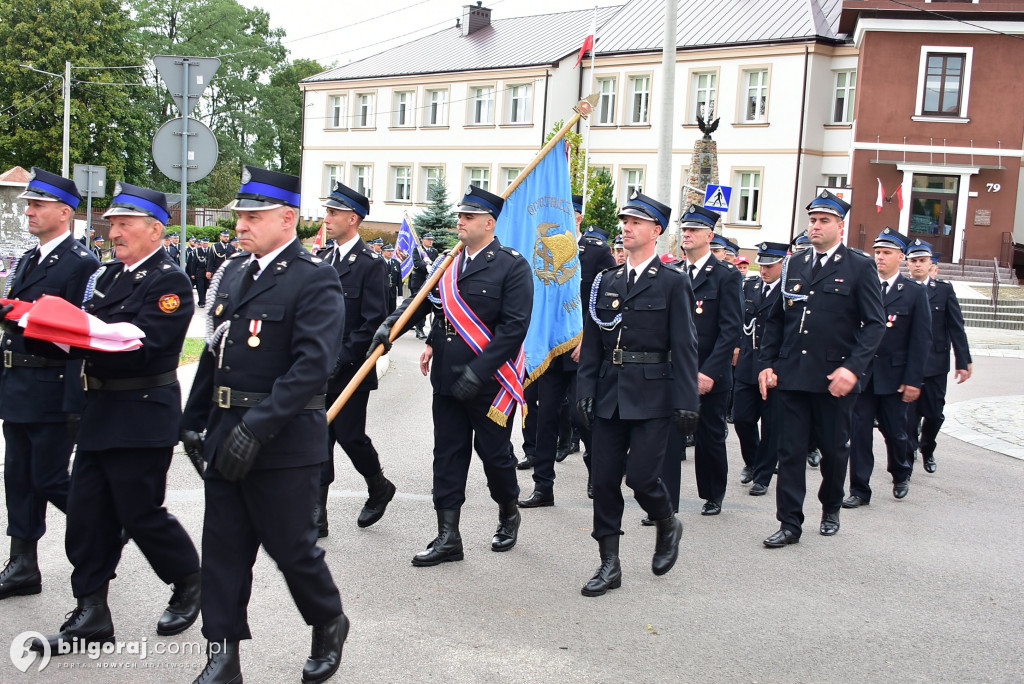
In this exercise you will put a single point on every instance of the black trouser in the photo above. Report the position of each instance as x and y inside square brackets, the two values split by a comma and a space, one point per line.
[925, 418]
[746, 413]
[891, 412]
[710, 464]
[800, 417]
[553, 388]
[269, 508]
[123, 488]
[202, 282]
[36, 457]
[636, 449]
[349, 430]
[531, 394]
[459, 428]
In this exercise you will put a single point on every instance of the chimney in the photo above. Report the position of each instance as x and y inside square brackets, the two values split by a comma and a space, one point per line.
[475, 17]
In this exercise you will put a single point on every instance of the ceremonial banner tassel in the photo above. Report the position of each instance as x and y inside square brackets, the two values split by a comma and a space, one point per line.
[583, 110]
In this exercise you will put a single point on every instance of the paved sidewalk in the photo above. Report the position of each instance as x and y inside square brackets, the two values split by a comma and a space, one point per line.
[995, 423]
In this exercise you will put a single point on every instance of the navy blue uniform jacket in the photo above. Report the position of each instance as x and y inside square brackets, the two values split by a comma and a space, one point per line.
[718, 293]
[498, 286]
[364, 281]
[657, 316]
[900, 358]
[755, 311]
[947, 329]
[156, 297]
[842, 327]
[298, 305]
[46, 395]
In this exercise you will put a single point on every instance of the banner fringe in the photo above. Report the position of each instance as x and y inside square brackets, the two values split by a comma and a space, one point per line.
[552, 355]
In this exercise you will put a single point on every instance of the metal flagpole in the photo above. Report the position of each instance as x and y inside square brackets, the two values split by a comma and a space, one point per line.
[583, 110]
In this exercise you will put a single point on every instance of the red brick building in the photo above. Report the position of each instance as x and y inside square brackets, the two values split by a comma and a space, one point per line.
[939, 115]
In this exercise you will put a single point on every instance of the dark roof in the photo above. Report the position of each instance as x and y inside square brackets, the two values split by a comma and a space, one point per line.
[506, 43]
[639, 27]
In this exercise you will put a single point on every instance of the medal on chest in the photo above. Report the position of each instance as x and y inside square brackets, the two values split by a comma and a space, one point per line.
[254, 333]
[892, 319]
[700, 306]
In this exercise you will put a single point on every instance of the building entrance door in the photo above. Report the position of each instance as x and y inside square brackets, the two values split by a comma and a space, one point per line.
[933, 207]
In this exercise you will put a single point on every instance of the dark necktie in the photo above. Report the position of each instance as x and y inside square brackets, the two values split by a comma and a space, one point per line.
[247, 279]
[693, 271]
[465, 262]
[885, 288]
[819, 258]
[31, 261]
[765, 290]
[632, 279]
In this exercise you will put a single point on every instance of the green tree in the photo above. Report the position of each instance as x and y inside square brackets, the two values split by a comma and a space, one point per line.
[108, 125]
[602, 210]
[438, 218]
[282, 109]
[577, 155]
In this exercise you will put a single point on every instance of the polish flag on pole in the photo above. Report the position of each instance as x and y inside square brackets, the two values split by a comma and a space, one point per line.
[588, 42]
[57, 320]
[881, 195]
[899, 196]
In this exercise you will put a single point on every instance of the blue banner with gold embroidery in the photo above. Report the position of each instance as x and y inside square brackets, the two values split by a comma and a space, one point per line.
[539, 222]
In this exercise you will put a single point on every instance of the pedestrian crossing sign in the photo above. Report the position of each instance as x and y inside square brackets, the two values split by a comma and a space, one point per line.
[716, 197]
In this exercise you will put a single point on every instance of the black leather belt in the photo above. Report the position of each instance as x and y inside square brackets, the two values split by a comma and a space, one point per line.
[129, 384]
[227, 397]
[15, 360]
[621, 356]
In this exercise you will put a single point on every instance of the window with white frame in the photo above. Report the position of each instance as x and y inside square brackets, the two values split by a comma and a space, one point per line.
[835, 181]
[481, 105]
[748, 196]
[401, 183]
[435, 113]
[517, 104]
[944, 81]
[364, 111]
[333, 173]
[432, 177]
[703, 95]
[362, 179]
[606, 102]
[842, 104]
[509, 174]
[480, 176]
[639, 99]
[336, 111]
[401, 109]
[632, 181]
[755, 99]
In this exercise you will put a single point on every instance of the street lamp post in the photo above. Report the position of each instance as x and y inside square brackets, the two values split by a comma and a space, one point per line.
[66, 152]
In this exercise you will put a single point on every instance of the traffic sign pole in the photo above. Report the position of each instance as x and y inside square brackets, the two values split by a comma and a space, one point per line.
[184, 168]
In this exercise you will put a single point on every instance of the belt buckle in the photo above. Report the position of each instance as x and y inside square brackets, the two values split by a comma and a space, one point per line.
[224, 397]
[617, 357]
[8, 358]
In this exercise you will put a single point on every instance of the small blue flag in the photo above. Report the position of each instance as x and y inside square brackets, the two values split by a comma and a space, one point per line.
[539, 222]
[404, 246]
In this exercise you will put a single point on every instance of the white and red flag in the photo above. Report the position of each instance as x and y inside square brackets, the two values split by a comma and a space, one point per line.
[588, 42]
[56, 320]
[881, 196]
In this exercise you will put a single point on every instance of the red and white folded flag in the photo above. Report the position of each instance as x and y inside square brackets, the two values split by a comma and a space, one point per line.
[56, 320]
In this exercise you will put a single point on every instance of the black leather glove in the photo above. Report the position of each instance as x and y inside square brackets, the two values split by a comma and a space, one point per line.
[6, 309]
[193, 443]
[382, 336]
[74, 422]
[237, 453]
[585, 406]
[467, 386]
[686, 421]
[10, 327]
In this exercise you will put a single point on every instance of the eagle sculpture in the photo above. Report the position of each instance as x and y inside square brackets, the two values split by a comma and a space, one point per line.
[707, 128]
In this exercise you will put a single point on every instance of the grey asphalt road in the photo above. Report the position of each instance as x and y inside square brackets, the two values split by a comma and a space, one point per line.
[926, 589]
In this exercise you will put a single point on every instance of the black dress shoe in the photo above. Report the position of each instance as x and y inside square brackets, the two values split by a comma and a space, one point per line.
[746, 475]
[222, 664]
[711, 508]
[183, 608]
[538, 500]
[609, 575]
[829, 524]
[900, 489]
[525, 464]
[781, 538]
[814, 458]
[646, 521]
[854, 501]
[929, 463]
[325, 655]
[666, 547]
[447, 546]
[561, 454]
[381, 491]
[574, 446]
[757, 489]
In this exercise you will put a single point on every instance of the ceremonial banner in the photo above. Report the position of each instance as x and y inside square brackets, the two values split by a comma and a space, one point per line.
[403, 247]
[539, 222]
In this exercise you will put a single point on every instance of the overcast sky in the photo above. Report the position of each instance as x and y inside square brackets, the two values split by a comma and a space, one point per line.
[352, 30]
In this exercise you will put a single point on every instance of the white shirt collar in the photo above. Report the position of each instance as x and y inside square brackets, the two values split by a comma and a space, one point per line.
[266, 259]
[771, 286]
[699, 263]
[44, 250]
[891, 280]
[131, 269]
[828, 253]
[639, 268]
